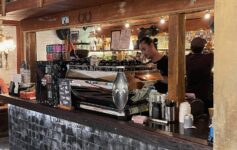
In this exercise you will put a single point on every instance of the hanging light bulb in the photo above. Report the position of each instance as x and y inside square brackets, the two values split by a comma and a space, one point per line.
[127, 25]
[162, 20]
[98, 28]
[207, 15]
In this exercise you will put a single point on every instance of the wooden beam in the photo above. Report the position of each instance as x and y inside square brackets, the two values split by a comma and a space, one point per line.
[20, 47]
[176, 71]
[31, 54]
[40, 3]
[3, 4]
[11, 23]
[118, 11]
[21, 5]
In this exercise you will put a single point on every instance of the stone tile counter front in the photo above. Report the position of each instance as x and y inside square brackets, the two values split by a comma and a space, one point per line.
[37, 127]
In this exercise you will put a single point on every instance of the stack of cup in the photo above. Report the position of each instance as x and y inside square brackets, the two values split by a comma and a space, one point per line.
[185, 116]
[184, 109]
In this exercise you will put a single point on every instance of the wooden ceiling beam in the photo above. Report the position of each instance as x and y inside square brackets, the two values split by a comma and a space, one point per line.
[11, 23]
[28, 4]
[118, 11]
[21, 5]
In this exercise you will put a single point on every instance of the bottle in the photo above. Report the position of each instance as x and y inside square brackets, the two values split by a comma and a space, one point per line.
[211, 134]
[156, 110]
[16, 89]
[22, 70]
[151, 101]
[27, 74]
[114, 56]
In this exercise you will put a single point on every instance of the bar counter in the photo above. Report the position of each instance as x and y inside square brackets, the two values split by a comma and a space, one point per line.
[35, 126]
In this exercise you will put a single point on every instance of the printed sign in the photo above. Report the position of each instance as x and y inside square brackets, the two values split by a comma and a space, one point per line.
[65, 92]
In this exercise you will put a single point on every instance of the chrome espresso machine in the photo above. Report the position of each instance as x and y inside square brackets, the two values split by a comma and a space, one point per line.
[118, 90]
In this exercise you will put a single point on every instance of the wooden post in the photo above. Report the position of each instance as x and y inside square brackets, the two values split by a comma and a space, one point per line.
[3, 3]
[40, 3]
[20, 47]
[225, 73]
[176, 83]
[31, 55]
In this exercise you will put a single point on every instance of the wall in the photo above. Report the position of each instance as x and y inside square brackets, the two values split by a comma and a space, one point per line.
[44, 38]
[225, 81]
[7, 74]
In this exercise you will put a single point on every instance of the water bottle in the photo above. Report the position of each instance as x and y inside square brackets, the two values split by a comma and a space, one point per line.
[152, 95]
[211, 134]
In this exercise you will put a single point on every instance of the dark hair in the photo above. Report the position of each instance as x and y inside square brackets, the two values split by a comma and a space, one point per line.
[146, 40]
[198, 44]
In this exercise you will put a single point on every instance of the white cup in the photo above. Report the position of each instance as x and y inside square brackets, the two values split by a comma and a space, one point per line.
[188, 121]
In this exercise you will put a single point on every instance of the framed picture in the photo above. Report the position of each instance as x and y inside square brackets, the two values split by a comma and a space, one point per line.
[65, 20]
[74, 36]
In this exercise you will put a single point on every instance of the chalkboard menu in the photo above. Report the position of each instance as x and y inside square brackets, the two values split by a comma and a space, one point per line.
[65, 93]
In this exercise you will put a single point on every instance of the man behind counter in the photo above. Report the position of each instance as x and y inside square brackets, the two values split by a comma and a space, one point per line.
[199, 72]
[148, 49]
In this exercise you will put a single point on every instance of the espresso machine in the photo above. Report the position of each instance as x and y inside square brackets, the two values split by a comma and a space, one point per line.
[118, 90]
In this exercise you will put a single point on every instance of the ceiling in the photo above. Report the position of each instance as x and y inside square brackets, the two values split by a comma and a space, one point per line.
[49, 7]
[55, 6]
[155, 20]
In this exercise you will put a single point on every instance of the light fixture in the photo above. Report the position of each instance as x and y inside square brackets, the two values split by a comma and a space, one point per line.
[162, 20]
[98, 28]
[207, 15]
[6, 45]
[127, 25]
[9, 44]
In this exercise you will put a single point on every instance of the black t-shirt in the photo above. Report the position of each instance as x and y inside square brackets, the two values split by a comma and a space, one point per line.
[199, 75]
[162, 65]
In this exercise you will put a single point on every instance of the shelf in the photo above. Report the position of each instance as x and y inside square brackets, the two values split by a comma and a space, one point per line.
[112, 50]
[81, 43]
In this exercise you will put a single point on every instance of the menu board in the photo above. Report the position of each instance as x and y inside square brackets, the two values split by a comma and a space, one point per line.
[124, 41]
[65, 92]
[115, 40]
[120, 39]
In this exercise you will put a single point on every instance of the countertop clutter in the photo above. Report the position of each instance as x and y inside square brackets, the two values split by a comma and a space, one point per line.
[169, 136]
